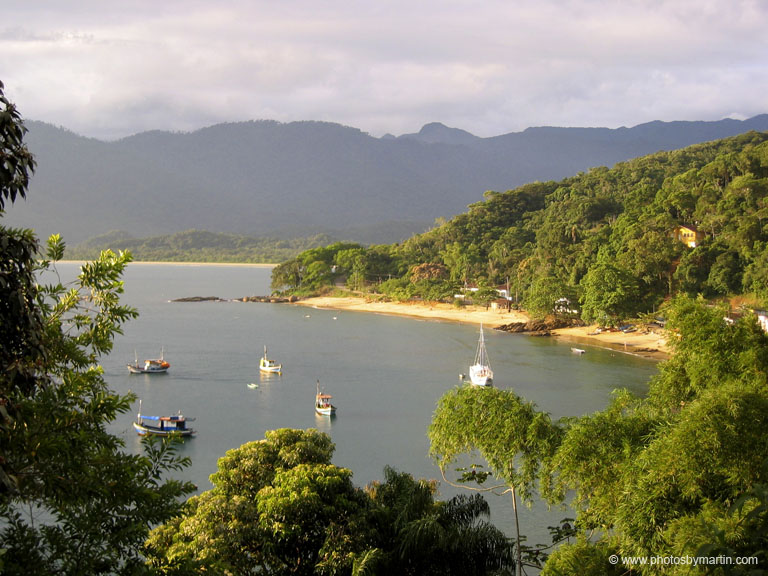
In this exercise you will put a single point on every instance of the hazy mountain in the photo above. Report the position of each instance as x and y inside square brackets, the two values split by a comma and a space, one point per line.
[271, 179]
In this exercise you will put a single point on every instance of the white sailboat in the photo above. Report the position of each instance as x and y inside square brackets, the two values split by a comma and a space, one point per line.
[480, 373]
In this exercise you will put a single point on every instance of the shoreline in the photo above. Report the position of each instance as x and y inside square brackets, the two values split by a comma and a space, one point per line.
[161, 263]
[650, 344]
[436, 311]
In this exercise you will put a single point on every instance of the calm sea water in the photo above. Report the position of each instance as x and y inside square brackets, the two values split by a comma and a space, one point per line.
[386, 374]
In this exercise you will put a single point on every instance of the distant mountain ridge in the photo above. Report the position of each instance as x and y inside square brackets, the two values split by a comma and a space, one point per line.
[265, 178]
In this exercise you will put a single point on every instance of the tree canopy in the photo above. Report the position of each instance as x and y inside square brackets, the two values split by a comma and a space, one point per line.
[279, 506]
[681, 472]
[605, 238]
[72, 501]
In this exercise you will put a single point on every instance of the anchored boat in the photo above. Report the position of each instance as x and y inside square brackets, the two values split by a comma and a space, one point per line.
[323, 404]
[152, 366]
[480, 373]
[163, 425]
[269, 366]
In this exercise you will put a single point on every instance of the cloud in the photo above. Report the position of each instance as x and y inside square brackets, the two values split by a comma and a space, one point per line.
[112, 69]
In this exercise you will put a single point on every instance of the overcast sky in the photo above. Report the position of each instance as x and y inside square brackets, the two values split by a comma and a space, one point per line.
[108, 69]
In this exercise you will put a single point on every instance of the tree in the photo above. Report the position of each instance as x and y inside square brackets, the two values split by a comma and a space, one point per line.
[610, 293]
[678, 473]
[16, 161]
[287, 510]
[725, 276]
[664, 476]
[507, 432]
[75, 502]
[419, 536]
[279, 506]
[543, 295]
[71, 500]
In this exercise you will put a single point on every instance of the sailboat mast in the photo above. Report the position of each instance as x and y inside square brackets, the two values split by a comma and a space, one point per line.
[481, 357]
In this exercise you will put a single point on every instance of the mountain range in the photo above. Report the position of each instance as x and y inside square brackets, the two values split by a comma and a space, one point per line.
[271, 179]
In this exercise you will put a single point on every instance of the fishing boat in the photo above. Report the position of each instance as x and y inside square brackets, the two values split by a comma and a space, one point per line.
[480, 373]
[163, 425]
[323, 404]
[269, 366]
[152, 366]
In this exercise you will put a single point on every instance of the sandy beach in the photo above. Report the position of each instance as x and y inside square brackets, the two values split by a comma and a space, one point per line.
[649, 344]
[438, 311]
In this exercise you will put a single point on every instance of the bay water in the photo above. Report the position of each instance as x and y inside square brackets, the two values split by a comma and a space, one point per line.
[386, 374]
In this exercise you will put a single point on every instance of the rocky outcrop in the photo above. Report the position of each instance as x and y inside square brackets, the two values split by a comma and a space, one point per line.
[268, 299]
[540, 327]
[271, 299]
[200, 299]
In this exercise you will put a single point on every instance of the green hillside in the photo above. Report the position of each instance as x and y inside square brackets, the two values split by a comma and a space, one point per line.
[604, 238]
[198, 246]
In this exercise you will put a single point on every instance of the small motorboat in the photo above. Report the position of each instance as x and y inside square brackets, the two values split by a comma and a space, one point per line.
[269, 366]
[578, 351]
[323, 404]
[152, 366]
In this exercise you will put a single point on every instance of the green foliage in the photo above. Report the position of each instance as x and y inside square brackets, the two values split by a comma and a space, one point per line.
[59, 460]
[610, 294]
[549, 234]
[708, 350]
[679, 473]
[497, 424]
[279, 506]
[71, 500]
[591, 457]
[583, 557]
[281, 502]
[198, 246]
[543, 295]
[16, 161]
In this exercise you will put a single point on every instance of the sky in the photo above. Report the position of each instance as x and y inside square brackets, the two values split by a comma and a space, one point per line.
[108, 69]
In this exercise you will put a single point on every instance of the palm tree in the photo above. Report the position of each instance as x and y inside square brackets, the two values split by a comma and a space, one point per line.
[424, 537]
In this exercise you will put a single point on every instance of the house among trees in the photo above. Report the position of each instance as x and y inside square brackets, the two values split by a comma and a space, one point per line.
[688, 235]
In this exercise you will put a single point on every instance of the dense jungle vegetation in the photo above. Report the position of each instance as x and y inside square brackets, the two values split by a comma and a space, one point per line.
[605, 239]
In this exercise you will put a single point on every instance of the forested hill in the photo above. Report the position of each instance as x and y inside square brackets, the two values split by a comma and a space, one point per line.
[608, 238]
[267, 179]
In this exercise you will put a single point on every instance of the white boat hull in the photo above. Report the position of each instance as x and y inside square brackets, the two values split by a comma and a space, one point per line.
[153, 366]
[142, 370]
[326, 411]
[268, 366]
[480, 375]
[144, 430]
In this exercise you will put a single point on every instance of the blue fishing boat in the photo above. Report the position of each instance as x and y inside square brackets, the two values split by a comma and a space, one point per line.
[163, 425]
